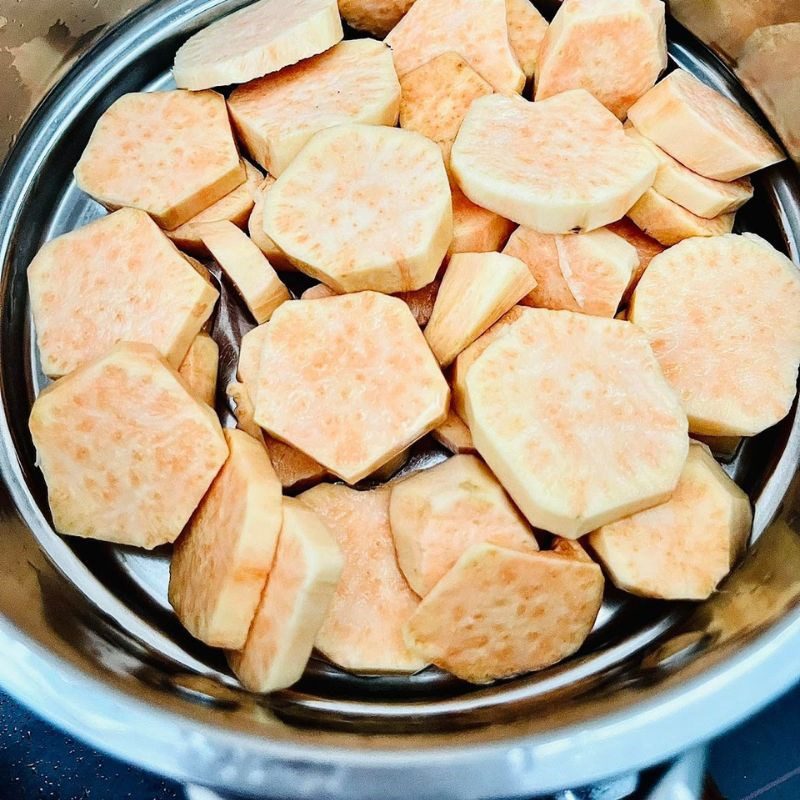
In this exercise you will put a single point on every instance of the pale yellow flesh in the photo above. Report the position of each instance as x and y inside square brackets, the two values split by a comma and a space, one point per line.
[454, 434]
[199, 368]
[255, 227]
[526, 29]
[476, 229]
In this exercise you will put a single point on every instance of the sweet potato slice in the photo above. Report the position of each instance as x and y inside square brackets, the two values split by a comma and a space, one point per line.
[704, 197]
[235, 207]
[704, 130]
[258, 39]
[436, 97]
[221, 561]
[681, 549]
[615, 49]
[117, 278]
[199, 368]
[276, 115]
[171, 154]
[255, 227]
[250, 348]
[317, 292]
[301, 585]
[377, 17]
[242, 261]
[501, 612]
[439, 513]
[476, 229]
[477, 289]
[669, 223]
[603, 435]
[712, 308]
[477, 31]
[364, 207]
[353, 635]
[349, 380]
[646, 247]
[126, 451]
[454, 434]
[526, 29]
[560, 165]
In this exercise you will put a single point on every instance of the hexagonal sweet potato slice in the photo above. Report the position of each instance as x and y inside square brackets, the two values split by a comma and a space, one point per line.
[602, 437]
[669, 223]
[646, 247]
[478, 32]
[199, 368]
[258, 39]
[476, 229]
[301, 585]
[242, 261]
[349, 380]
[364, 207]
[439, 513]
[681, 549]
[377, 17]
[704, 130]
[117, 278]
[560, 165]
[171, 154]
[126, 451]
[276, 115]
[255, 227]
[526, 29]
[477, 289]
[501, 612]
[235, 207]
[712, 308]
[454, 434]
[704, 197]
[353, 635]
[615, 49]
[221, 561]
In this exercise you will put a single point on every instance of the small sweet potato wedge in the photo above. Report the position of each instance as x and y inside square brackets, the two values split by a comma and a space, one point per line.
[317, 292]
[454, 434]
[476, 229]
[199, 368]
[646, 247]
[377, 17]
[526, 29]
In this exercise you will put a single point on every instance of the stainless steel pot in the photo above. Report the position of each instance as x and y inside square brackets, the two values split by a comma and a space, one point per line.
[88, 640]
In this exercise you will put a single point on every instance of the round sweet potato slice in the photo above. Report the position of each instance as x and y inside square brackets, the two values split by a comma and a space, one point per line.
[713, 308]
[602, 436]
[558, 166]
[526, 29]
[681, 549]
[377, 17]
[364, 207]
[199, 368]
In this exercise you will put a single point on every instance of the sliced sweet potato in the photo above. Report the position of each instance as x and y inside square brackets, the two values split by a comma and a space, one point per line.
[477, 289]
[526, 29]
[477, 31]
[244, 409]
[199, 368]
[560, 165]
[454, 434]
[501, 612]
[301, 585]
[221, 561]
[242, 261]
[349, 380]
[712, 309]
[476, 229]
[681, 549]
[248, 368]
[317, 292]
[117, 278]
[171, 154]
[669, 223]
[126, 451]
[377, 17]
[603, 435]
[255, 227]
[364, 207]
[615, 49]
[258, 39]
[704, 130]
[353, 635]
[276, 115]
[439, 513]
[646, 247]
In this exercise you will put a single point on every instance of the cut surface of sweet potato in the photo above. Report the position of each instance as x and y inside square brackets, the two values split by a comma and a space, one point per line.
[438, 514]
[349, 380]
[603, 435]
[526, 29]
[704, 130]
[317, 292]
[221, 561]
[615, 49]
[363, 629]
[276, 115]
[199, 368]
[646, 247]
[258, 39]
[454, 434]
[477, 289]
[171, 154]
[559, 165]
[248, 368]
[501, 612]
[377, 17]
[255, 227]
[307, 567]
[364, 207]
[476, 229]
[681, 549]
[242, 261]
[126, 451]
[477, 31]
[116, 279]
[712, 309]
